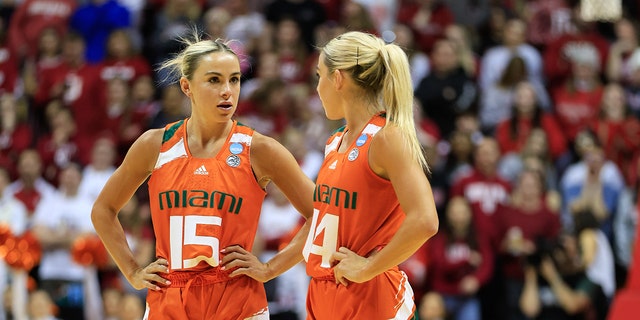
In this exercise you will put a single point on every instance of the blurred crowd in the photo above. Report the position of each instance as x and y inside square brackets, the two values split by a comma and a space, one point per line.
[529, 116]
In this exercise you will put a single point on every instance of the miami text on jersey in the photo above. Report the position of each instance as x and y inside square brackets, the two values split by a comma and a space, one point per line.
[325, 193]
[199, 199]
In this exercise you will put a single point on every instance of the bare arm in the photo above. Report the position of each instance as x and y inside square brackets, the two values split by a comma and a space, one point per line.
[570, 300]
[52, 238]
[120, 187]
[416, 199]
[588, 246]
[529, 299]
[273, 162]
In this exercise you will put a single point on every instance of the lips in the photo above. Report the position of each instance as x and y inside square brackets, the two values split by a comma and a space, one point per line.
[225, 106]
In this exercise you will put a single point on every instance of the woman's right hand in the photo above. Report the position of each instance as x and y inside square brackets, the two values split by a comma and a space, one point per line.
[148, 277]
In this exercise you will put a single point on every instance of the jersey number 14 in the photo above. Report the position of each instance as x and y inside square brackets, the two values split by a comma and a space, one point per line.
[328, 225]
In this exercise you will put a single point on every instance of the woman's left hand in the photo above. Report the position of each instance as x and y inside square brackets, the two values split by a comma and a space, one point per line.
[245, 262]
[349, 266]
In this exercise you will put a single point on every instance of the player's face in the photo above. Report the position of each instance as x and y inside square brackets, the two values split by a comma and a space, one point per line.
[215, 85]
[327, 91]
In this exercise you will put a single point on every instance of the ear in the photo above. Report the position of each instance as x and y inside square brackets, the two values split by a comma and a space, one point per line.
[338, 79]
[185, 86]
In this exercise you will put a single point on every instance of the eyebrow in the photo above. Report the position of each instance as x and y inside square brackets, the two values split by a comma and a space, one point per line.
[220, 74]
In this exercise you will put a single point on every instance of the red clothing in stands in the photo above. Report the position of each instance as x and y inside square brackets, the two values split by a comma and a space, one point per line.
[576, 110]
[533, 225]
[450, 262]
[557, 66]
[127, 69]
[33, 16]
[484, 194]
[8, 70]
[441, 17]
[83, 93]
[621, 143]
[508, 143]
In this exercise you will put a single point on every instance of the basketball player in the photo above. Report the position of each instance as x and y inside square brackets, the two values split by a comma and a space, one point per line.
[207, 178]
[373, 204]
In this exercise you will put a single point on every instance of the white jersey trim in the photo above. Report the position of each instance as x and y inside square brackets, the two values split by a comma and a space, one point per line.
[176, 152]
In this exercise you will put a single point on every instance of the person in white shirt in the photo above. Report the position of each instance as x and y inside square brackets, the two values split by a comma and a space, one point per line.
[13, 215]
[102, 166]
[58, 221]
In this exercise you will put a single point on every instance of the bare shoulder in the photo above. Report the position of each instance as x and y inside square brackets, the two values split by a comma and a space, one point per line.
[390, 136]
[144, 151]
[265, 147]
[149, 140]
[389, 151]
[270, 159]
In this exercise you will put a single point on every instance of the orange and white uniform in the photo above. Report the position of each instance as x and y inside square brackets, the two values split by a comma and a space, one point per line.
[198, 207]
[356, 209]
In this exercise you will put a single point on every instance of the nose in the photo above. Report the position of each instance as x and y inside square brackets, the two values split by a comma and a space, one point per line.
[226, 90]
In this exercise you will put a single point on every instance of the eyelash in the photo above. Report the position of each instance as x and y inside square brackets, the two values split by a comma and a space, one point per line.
[216, 80]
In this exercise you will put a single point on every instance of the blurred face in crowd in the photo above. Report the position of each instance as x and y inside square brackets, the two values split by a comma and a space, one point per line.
[143, 89]
[487, 155]
[103, 154]
[444, 56]
[537, 144]
[172, 100]
[525, 99]
[530, 185]
[514, 32]
[29, 165]
[288, 32]
[614, 102]
[70, 178]
[404, 36]
[119, 45]
[595, 159]
[459, 215]
[49, 44]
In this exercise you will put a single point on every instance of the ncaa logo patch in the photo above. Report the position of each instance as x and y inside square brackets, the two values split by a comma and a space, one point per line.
[361, 140]
[233, 161]
[353, 154]
[236, 148]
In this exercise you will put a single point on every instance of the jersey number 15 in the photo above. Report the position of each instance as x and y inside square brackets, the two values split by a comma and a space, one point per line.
[182, 231]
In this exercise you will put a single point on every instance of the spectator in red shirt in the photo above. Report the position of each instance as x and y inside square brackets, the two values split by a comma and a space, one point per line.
[15, 133]
[460, 262]
[512, 134]
[9, 63]
[46, 58]
[483, 188]
[30, 187]
[577, 101]
[618, 131]
[618, 67]
[61, 146]
[427, 18]
[78, 85]
[122, 61]
[559, 55]
[33, 16]
[523, 225]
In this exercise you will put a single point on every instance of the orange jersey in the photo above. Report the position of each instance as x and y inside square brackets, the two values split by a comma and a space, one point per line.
[200, 206]
[353, 207]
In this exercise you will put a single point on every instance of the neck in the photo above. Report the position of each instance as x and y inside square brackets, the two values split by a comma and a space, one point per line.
[204, 131]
